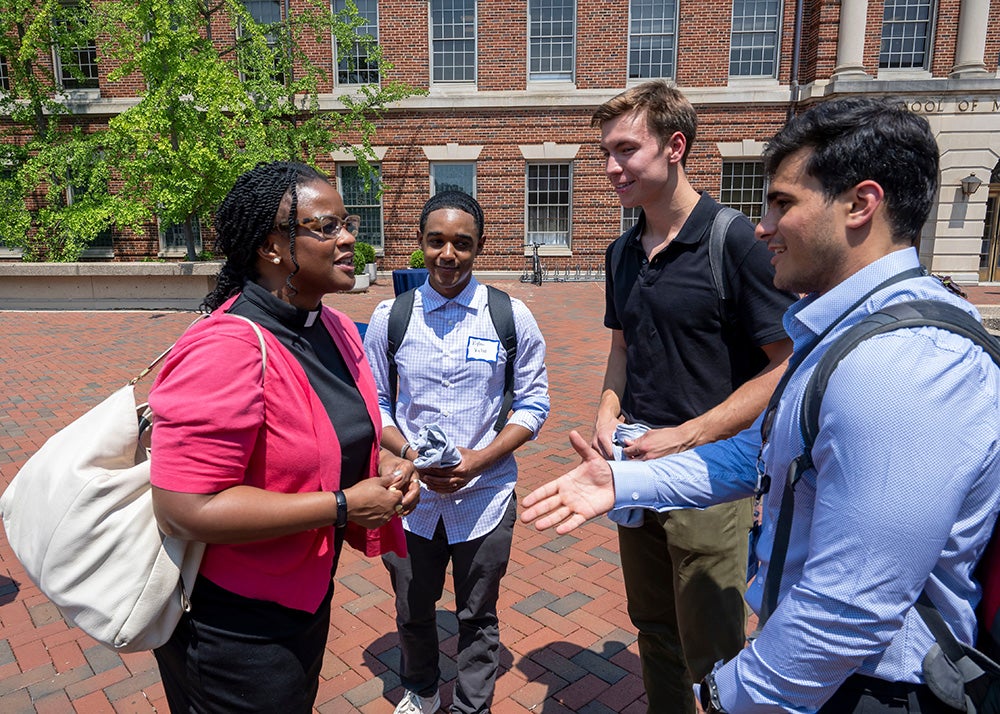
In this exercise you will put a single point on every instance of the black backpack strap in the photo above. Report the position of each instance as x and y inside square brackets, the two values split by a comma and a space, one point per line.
[399, 320]
[915, 313]
[801, 463]
[502, 314]
[716, 260]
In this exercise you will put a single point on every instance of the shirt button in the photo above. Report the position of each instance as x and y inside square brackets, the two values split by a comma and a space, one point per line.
[446, 383]
[635, 495]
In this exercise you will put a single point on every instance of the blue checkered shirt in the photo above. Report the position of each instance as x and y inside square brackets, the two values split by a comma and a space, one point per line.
[450, 373]
[903, 497]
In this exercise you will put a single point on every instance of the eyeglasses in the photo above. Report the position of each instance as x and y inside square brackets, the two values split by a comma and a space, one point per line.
[328, 226]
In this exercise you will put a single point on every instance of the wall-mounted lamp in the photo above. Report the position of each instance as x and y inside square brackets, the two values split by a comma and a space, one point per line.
[970, 184]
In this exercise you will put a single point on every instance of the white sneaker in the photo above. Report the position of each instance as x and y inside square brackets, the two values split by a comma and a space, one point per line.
[413, 703]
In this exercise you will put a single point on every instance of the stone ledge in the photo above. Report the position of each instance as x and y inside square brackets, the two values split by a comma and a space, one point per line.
[991, 317]
[16, 270]
[106, 286]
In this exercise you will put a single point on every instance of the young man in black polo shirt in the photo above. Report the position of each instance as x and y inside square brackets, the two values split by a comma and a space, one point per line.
[691, 369]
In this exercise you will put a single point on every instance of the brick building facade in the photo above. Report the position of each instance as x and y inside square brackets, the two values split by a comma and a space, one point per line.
[510, 88]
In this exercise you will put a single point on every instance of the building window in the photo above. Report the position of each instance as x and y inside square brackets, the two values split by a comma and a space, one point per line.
[906, 34]
[172, 238]
[4, 74]
[453, 40]
[452, 176]
[652, 39]
[6, 187]
[630, 216]
[267, 14]
[551, 39]
[743, 187]
[548, 202]
[753, 48]
[82, 73]
[364, 201]
[353, 65]
[103, 245]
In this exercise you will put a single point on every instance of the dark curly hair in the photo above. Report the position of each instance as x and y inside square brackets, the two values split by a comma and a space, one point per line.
[854, 139]
[245, 217]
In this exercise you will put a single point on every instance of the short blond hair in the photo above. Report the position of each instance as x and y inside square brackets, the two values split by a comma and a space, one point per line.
[666, 109]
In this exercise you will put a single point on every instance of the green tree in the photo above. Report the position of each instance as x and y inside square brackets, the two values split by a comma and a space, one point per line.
[224, 93]
[53, 180]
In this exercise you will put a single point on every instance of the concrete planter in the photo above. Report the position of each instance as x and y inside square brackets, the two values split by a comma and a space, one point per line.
[96, 285]
[361, 283]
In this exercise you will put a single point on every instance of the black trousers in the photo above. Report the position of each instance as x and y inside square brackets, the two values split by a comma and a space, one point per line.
[237, 655]
[866, 695]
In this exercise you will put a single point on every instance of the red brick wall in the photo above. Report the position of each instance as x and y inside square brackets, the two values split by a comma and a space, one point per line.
[601, 62]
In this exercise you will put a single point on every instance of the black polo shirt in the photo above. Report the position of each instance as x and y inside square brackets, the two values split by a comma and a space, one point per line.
[682, 360]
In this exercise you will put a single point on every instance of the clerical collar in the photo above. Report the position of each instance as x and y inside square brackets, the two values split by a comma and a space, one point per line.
[284, 312]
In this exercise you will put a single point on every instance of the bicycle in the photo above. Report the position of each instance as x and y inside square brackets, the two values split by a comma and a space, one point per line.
[536, 266]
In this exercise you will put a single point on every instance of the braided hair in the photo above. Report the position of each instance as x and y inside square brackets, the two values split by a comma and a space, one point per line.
[247, 215]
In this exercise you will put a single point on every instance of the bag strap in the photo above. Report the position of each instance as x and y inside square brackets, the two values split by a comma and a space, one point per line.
[502, 315]
[146, 417]
[915, 313]
[399, 320]
[260, 340]
[721, 223]
[798, 466]
[716, 259]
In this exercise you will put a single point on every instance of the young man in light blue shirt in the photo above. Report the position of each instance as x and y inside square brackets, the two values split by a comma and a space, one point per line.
[451, 368]
[906, 484]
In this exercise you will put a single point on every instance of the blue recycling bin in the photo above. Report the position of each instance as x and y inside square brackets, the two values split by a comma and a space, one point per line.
[408, 278]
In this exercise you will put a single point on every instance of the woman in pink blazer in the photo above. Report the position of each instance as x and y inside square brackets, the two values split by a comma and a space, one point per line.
[270, 456]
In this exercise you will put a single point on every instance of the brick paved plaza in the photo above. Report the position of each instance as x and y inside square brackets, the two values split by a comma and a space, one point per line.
[567, 643]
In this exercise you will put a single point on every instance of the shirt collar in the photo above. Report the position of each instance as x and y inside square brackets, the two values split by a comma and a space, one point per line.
[812, 314]
[285, 313]
[433, 300]
[694, 226]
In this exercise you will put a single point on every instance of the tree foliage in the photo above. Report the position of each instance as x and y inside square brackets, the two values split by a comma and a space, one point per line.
[222, 93]
[53, 180]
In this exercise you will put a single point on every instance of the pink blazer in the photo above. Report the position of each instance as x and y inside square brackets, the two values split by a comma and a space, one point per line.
[217, 426]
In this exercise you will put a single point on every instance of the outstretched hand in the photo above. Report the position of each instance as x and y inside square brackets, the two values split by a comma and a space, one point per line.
[575, 497]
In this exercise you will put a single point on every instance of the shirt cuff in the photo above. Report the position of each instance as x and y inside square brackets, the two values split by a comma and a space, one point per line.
[527, 419]
[726, 683]
[634, 485]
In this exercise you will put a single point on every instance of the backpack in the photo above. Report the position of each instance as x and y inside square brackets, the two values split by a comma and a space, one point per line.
[502, 315]
[716, 259]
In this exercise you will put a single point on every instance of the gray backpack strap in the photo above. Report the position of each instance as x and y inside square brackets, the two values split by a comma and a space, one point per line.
[716, 259]
[399, 319]
[502, 315]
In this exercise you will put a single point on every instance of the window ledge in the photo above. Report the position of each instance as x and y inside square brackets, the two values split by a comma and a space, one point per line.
[559, 251]
[741, 81]
[885, 73]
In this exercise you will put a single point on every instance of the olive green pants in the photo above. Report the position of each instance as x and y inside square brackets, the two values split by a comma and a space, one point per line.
[685, 576]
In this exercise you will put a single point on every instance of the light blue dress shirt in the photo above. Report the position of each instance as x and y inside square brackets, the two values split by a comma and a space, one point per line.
[903, 497]
[451, 371]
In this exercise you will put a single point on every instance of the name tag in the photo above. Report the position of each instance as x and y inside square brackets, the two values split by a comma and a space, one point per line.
[482, 350]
